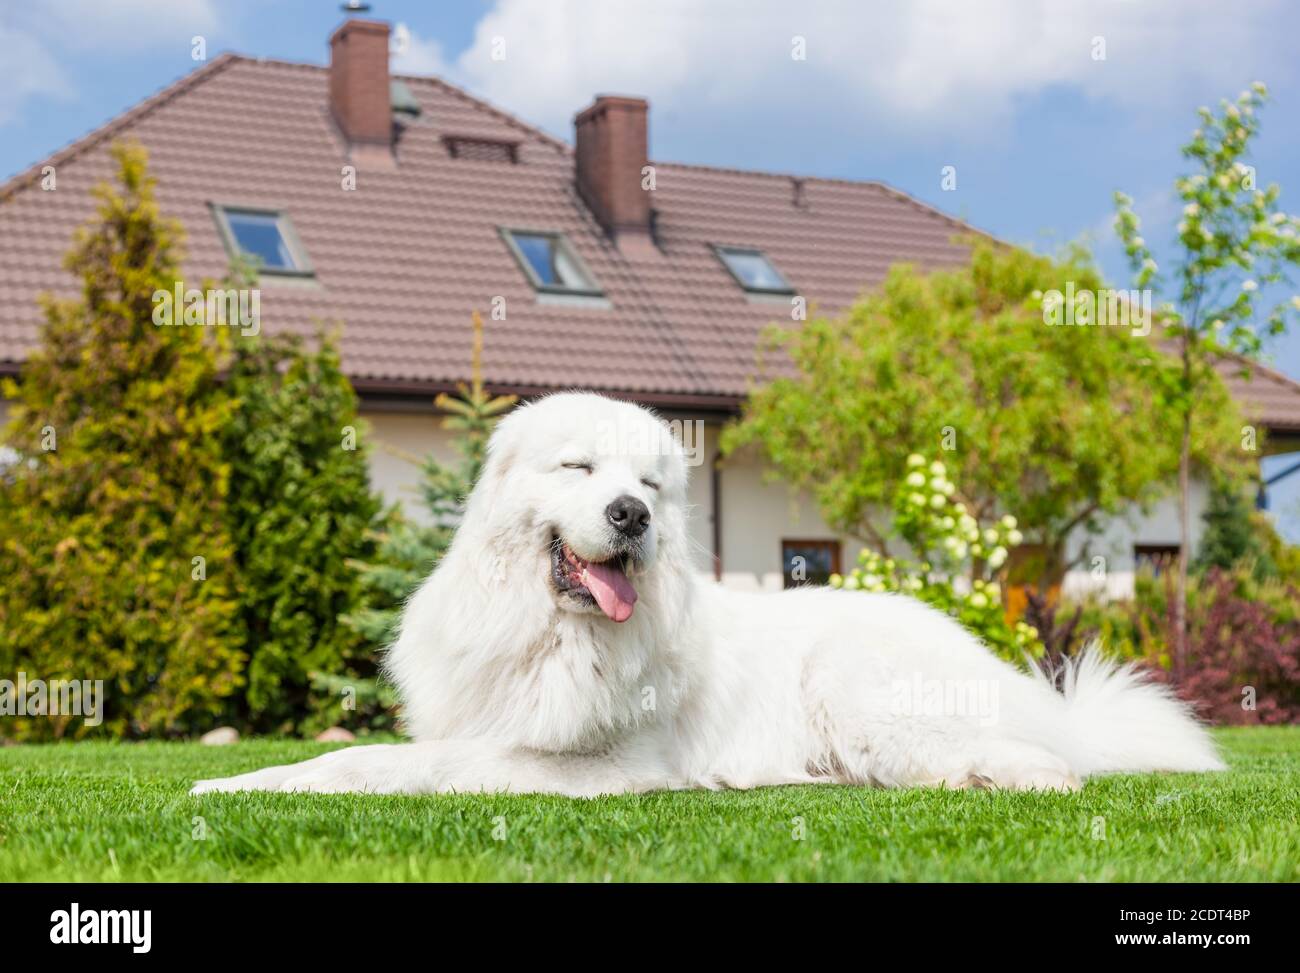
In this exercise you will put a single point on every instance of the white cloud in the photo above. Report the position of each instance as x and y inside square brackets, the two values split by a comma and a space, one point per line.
[413, 54]
[961, 64]
[30, 36]
[30, 71]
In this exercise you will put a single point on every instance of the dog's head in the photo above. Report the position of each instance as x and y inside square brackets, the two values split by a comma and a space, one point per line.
[588, 494]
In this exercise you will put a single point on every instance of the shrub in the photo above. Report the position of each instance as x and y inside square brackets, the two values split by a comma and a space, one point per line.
[115, 559]
[300, 510]
[1232, 533]
[1243, 662]
[1058, 628]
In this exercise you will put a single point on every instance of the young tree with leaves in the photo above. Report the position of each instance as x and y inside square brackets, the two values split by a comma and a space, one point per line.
[115, 559]
[1233, 241]
[1059, 424]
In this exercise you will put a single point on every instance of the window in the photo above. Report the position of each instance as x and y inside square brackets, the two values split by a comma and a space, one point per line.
[265, 236]
[1156, 557]
[809, 562]
[550, 263]
[753, 271]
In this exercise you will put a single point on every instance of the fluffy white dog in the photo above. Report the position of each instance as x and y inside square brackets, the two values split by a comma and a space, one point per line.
[566, 644]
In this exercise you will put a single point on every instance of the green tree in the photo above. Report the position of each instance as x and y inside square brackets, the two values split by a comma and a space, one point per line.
[300, 509]
[1232, 534]
[408, 549]
[115, 561]
[1232, 240]
[1062, 425]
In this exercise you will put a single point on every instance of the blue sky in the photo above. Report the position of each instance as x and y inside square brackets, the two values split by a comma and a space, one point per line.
[1010, 92]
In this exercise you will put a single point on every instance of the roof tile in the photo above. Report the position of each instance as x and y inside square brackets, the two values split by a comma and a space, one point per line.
[402, 260]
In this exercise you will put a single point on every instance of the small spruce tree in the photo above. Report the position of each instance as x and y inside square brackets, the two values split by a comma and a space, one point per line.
[408, 550]
[1231, 535]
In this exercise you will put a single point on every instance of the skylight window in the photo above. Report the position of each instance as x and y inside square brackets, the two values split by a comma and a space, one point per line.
[753, 271]
[550, 263]
[264, 236]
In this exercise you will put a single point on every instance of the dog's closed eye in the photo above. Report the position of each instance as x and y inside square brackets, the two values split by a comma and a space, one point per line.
[583, 465]
[647, 482]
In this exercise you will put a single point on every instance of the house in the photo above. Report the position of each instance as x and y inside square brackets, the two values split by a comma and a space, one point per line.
[395, 205]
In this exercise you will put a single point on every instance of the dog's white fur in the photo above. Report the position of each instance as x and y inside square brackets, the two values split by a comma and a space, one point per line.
[508, 684]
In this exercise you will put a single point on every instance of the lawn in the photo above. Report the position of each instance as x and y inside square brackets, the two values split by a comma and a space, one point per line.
[120, 812]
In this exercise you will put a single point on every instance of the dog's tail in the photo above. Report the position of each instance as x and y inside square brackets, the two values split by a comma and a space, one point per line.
[1117, 720]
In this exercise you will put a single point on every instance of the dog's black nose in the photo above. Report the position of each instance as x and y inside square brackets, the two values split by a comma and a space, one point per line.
[629, 516]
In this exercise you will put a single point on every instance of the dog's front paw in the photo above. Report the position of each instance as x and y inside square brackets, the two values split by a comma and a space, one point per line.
[353, 770]
[269, 779]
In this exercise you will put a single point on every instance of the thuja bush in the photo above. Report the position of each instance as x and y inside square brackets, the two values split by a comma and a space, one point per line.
[300, 510]
[116, 562]
[190, 542]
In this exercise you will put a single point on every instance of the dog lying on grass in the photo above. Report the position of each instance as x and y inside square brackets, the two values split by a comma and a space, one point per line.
[567, 645]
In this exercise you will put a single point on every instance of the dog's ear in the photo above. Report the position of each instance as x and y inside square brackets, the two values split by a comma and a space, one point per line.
[500, 461]
[497, 464]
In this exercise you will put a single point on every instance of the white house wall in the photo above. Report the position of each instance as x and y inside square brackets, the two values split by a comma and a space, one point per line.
[398, 440]
[1113, 575]
[758, 515]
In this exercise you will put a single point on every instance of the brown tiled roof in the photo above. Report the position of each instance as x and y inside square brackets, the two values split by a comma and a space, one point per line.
[1267, 396]
[403, 259]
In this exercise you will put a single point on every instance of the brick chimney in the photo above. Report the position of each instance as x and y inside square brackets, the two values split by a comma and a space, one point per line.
[359, 91]
[612, 145]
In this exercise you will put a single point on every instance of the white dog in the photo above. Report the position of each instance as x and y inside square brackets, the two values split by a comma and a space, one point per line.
[566, 644]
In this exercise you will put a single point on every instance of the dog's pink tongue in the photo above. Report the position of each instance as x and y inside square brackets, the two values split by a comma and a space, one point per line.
[611, 589]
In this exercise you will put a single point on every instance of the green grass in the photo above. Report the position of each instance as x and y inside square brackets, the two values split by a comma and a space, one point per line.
[120, 812]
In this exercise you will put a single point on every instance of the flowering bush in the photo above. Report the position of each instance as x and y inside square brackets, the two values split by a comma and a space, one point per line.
[956, 562]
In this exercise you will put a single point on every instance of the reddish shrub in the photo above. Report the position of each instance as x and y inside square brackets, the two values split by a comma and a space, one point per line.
[1240, 653]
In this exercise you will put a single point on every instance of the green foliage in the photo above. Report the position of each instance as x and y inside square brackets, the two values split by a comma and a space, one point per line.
[1062, 424]
[1231, 533]
[119, 486]
[405, 551]
[368, 701]
[1284, 557]
[408, 549]
[1243, 663]
[947, 544]
[1140, 628]
[1232, 239]
[300, 509]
